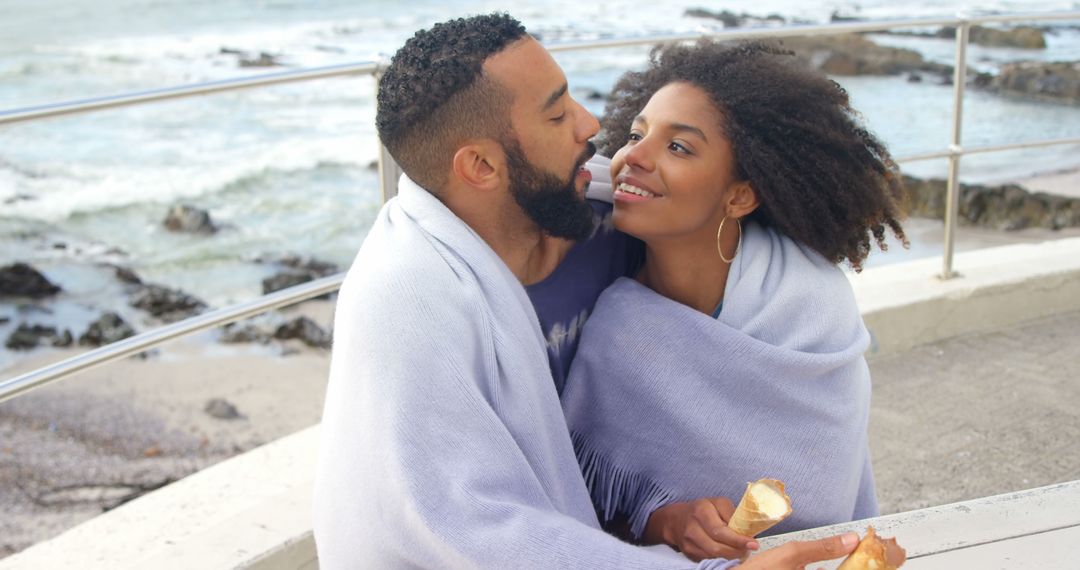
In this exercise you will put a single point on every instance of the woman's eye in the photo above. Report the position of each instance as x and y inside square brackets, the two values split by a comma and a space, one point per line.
[676, 147]
[559, 119]
[634, 137]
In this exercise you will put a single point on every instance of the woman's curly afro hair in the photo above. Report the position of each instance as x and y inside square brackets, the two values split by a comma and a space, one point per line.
[821, 178]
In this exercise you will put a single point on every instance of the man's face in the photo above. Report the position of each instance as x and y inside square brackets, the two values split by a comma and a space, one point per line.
[555, 204]
[550, 140]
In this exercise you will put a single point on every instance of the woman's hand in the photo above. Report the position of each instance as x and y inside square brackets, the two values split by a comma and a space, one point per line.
[796, 555]
[698, 529]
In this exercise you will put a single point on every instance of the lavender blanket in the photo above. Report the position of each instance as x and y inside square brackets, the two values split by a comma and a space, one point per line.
[443, 443]
[668, 404]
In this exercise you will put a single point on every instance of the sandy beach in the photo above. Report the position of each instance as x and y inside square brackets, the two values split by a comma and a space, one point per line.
[76, 448]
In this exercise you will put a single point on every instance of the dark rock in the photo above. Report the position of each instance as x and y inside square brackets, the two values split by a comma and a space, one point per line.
[982, 79]
[1058, 81]
[231, 51]
[18, 198]
[127, 275]
[109, 328]
[59, 245]
[167, 304]
[914, 78]
[593, 94]
[236, 333]
[304, 330]
[222, 409]
[5, 320]
[21, 280]
[284, 280]
[298, 269]
[263, 60]
[729, 19]
[189, 219]
[316, 267]
[373, 166]
[27, 336]
[836, 16]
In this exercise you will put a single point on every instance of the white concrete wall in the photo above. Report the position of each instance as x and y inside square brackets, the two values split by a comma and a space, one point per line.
[254, 511]
[907, 304]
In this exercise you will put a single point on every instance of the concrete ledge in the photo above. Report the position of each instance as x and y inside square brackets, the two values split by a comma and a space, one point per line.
[254, 511]
[907, 304]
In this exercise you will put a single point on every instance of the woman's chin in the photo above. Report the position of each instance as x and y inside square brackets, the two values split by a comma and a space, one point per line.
[626, 223]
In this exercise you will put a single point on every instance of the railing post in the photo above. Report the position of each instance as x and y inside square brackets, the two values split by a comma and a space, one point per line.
[389, 171]
[952, 195]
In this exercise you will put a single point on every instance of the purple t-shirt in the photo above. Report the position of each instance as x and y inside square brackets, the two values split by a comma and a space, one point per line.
[564, 300]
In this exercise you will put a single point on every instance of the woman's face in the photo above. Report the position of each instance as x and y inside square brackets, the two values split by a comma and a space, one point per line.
[671, 178]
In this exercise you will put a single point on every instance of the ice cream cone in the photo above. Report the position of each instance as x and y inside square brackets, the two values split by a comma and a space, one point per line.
[875, 553]
[763, 505]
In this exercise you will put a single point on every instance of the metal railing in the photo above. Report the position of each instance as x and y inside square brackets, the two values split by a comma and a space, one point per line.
[389, 172]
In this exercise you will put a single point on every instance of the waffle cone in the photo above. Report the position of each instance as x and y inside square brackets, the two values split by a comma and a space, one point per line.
[749, 519]
[875, 553]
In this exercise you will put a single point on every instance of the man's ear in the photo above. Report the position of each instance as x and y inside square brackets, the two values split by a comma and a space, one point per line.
[479, 164]
[741, 200]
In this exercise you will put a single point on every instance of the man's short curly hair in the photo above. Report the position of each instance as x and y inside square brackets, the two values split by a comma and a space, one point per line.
[434, 95]
[820, 177]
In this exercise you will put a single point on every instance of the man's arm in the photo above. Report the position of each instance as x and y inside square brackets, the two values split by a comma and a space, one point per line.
[417, 469]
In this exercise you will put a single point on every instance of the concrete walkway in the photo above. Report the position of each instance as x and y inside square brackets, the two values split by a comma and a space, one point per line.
[977, 415]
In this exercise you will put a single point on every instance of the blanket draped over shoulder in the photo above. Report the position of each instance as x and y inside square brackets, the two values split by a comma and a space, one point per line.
[443, 441]
[667, 404]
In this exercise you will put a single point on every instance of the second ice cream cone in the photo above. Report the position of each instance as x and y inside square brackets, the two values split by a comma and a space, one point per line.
[763, 505]
[875, 553]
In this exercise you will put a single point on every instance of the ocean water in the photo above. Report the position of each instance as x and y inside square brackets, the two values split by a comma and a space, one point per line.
[287, 168]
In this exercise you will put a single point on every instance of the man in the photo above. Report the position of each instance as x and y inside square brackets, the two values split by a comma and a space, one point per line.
[444, 445]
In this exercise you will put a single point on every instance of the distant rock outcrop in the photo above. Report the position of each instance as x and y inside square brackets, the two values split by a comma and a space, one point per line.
[1007, 207]
[1022, 37]
[731, 19]
[852, 54]
[21, 280]
[1057, 81]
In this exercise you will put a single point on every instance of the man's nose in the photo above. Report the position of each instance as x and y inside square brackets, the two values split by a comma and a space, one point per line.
[587, 125]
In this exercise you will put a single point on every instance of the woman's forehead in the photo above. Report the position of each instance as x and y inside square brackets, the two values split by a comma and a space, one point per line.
[682, 103]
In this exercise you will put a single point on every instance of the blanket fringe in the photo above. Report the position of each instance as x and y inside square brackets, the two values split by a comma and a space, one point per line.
[615, 489]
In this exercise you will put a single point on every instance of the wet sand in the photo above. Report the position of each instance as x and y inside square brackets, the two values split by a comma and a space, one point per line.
[72, 449]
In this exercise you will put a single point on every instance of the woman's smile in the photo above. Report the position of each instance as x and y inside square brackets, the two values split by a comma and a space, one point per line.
[629, 189]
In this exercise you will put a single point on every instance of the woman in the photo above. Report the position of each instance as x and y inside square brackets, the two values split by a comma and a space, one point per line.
[736, 353]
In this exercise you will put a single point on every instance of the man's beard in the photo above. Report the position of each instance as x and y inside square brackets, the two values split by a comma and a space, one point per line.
[552, 204]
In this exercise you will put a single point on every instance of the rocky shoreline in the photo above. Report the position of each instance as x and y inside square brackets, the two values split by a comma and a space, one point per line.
[1005, 207]
[29, 290]
[856, 54]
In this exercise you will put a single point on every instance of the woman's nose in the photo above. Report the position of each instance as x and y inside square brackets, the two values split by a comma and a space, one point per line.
[639, 155]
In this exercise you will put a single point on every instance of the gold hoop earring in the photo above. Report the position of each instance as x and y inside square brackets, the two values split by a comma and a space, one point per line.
[738, 245]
